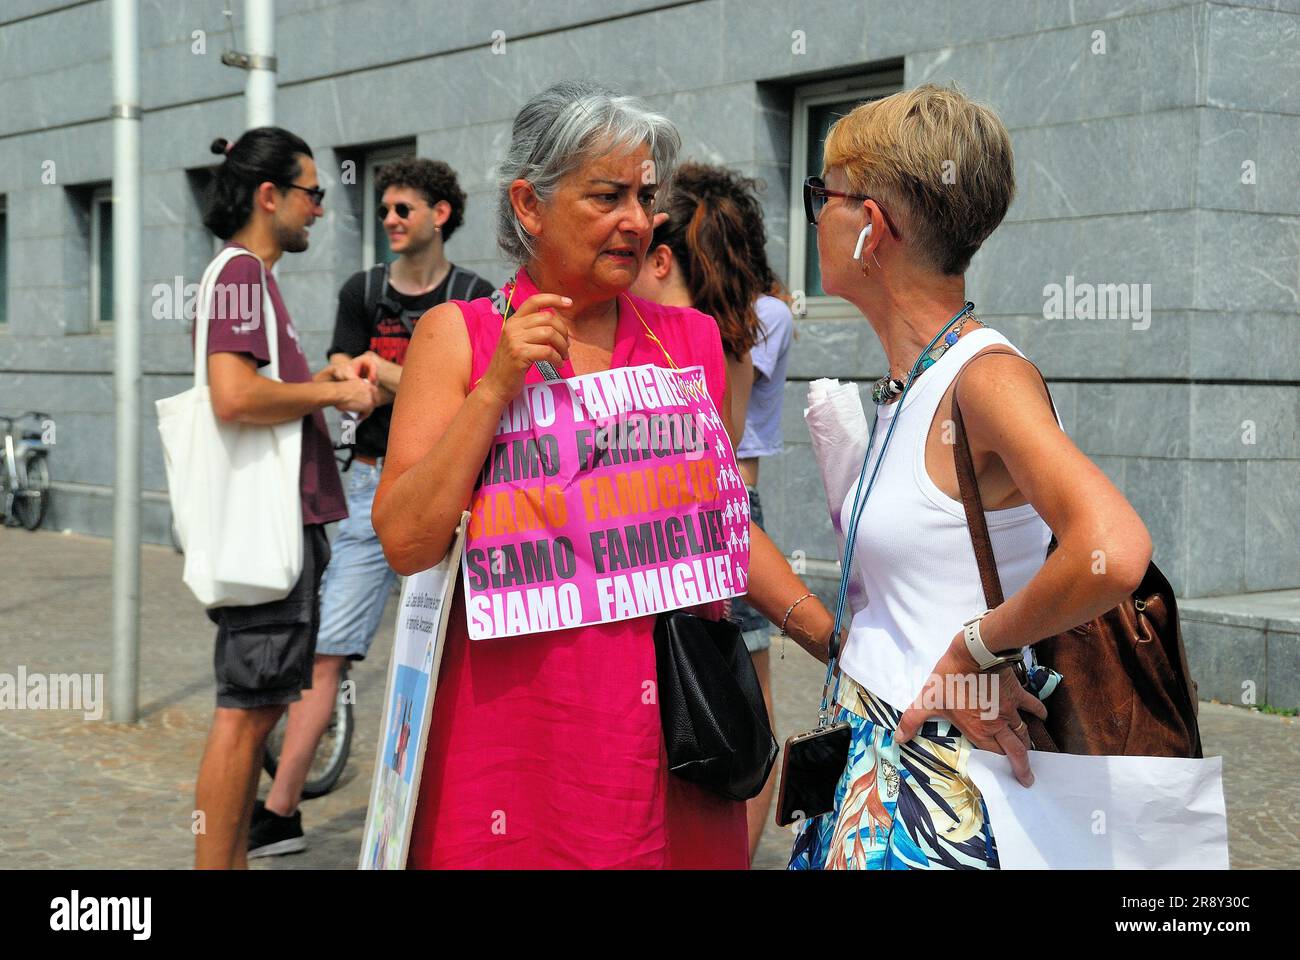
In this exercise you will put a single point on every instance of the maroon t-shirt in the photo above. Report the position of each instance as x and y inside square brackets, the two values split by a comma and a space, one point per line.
[236, 327]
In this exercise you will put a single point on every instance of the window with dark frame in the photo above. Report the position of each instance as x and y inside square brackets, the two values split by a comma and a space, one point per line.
[816, 107]
[374, 246]
[101, 256]
[4, 263]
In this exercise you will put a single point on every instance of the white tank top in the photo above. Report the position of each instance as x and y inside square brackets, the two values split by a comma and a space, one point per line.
[913, 550]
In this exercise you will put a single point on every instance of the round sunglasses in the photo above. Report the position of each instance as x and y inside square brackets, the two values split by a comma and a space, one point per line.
[403, 211]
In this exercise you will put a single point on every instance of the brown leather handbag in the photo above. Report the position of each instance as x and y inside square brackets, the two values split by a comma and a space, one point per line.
[1126, 687]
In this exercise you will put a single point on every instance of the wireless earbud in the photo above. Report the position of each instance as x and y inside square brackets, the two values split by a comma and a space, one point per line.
[862, 238]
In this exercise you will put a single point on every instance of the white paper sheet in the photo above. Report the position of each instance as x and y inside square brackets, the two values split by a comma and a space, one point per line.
[1106, 813]
[422, 619]
[838, 428]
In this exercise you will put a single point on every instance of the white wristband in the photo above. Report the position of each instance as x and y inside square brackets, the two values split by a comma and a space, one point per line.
[982, 655]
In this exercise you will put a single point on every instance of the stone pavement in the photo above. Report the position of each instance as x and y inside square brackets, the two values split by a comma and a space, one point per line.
[94, 794]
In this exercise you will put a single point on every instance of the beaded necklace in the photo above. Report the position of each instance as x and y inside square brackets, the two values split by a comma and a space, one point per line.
[888, 389]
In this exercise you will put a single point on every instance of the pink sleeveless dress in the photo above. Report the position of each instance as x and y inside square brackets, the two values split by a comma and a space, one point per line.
[542, 751]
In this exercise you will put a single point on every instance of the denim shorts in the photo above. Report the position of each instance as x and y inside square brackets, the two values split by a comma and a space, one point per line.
[755, 627]
[264, 653]
[358, 580]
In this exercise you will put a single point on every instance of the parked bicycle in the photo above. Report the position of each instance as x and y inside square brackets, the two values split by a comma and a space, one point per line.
[331, 753]
[25, 481]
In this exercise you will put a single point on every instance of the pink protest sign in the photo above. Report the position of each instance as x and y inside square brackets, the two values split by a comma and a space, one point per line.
[605, 497]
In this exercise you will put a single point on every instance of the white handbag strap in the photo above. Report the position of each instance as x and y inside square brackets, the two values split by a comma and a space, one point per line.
[203, 314]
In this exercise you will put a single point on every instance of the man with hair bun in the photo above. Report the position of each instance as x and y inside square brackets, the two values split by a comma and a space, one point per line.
[263, 199]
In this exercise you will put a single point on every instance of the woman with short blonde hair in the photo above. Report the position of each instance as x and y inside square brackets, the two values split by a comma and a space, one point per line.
[914, 184]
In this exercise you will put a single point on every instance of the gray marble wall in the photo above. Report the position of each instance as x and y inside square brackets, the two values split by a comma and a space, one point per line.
[1131, 162]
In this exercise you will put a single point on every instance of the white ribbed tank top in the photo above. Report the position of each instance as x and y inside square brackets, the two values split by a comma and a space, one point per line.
[913, 550]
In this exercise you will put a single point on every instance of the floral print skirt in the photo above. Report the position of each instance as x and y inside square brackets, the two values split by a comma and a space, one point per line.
[898, 807]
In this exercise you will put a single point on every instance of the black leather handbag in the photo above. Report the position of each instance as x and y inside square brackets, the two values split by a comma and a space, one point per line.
[716, 729]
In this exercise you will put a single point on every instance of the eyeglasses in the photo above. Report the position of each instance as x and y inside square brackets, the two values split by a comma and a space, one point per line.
[815, 194]
[403, 211]
[317, 194]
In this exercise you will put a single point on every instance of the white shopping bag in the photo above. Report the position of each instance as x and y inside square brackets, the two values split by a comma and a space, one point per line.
[1106, 813]
[234, 488]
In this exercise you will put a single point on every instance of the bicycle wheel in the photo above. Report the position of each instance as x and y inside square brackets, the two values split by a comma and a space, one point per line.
[32, 500]
[331, 753]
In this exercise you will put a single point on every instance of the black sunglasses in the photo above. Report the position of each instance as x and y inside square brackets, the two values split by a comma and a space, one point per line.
[317, 194]
[815, 194]
[403, 211]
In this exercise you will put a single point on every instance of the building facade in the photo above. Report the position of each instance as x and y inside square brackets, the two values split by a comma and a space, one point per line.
[1156, 145]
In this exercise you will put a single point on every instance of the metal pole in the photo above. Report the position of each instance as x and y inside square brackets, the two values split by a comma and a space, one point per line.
[126, 361]
[259, 93]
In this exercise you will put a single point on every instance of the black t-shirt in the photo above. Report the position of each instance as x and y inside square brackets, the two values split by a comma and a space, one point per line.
[386, 334]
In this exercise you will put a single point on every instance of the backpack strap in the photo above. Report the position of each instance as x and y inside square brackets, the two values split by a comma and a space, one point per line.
[462, 277]
[376, 284]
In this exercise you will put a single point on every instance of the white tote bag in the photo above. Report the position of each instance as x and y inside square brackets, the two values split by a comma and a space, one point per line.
[234, 488]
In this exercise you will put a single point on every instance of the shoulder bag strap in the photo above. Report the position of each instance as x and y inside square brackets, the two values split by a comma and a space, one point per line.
[971, 501]
[203, 313]
[978, 526]
[272, 334]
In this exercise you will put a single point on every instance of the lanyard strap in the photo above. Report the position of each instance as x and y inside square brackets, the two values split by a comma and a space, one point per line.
[547, 369]
[859, 505]
[651, 334]
[544, 367]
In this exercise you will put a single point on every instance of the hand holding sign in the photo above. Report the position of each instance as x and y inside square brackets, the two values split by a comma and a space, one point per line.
[530, 334]
[600, 501]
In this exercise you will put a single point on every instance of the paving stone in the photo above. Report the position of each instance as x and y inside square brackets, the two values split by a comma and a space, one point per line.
[80, 793]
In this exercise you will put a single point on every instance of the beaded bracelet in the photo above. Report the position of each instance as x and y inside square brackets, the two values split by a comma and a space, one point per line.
[786, 619]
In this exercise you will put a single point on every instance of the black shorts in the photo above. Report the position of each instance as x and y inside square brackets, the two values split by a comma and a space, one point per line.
[265, 652]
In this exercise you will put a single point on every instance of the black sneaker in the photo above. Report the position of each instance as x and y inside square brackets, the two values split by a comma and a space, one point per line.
[270, 834]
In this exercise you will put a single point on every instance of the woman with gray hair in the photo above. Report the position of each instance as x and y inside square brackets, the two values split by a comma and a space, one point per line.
[544, 749]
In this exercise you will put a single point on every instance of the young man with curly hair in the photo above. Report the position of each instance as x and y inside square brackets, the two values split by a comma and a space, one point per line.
[421, 206]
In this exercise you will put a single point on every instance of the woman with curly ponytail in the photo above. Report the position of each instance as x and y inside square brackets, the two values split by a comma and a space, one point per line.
[710, 254]
[704, 257]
